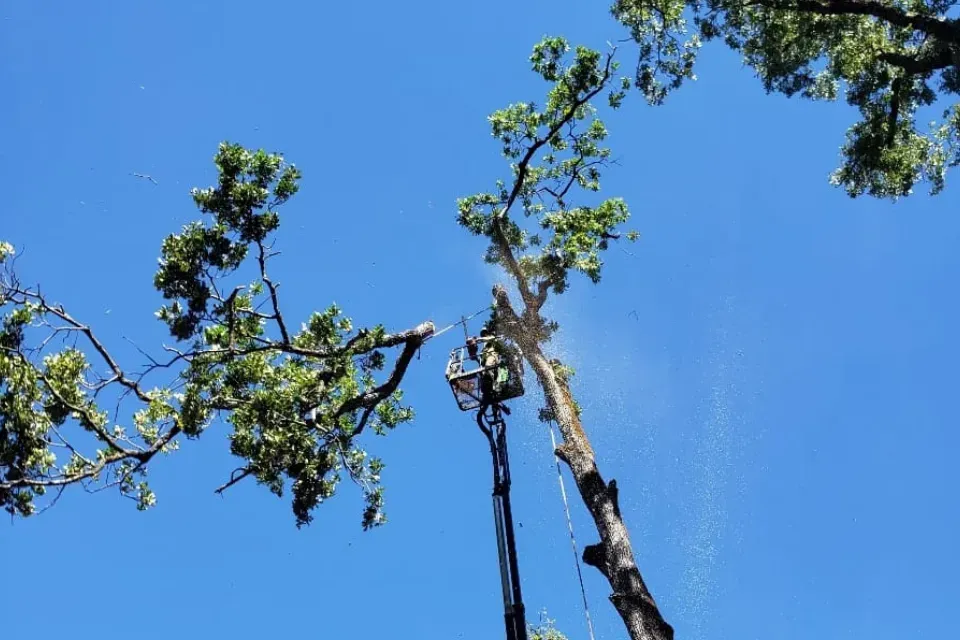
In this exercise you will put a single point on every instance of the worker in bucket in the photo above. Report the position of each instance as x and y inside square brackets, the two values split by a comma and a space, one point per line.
[495, 372]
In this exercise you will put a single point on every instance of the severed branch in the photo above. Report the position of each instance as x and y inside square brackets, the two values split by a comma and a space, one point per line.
[145, 177]
[412, 341]
[235, 476]
[543, 290]
[265, 345]
[234, 351]
[15, 294]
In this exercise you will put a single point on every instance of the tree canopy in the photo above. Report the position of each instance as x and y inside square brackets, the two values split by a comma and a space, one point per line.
[890, 58]
[556, 153]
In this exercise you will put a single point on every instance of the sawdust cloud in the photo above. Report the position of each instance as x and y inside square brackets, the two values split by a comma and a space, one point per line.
[628, 410]
[612, 384]
[718, 439]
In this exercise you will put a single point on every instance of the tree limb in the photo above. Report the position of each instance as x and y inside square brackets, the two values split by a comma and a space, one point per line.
[59, 311]
[414, 339]
[500, 237]
[946, 29]
[262, 260]
[920, 64]
[234, 479]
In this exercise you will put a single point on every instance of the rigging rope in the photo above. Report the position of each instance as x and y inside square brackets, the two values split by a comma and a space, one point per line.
[462, 321]
[573, 539]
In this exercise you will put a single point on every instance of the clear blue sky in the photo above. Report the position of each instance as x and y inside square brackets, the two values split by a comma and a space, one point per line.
[769, 373]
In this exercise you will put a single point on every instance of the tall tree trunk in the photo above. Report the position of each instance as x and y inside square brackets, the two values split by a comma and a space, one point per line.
[613, 555]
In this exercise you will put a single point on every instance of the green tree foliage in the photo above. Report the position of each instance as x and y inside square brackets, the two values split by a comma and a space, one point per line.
[556, 152]
[891, 58]
[545, 629]
[296, 399]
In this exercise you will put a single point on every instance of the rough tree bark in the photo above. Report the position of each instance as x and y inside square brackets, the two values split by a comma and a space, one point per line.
[613, 555]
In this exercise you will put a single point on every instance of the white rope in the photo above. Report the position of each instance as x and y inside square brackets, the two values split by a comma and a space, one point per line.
[462, 321]
[573, 539]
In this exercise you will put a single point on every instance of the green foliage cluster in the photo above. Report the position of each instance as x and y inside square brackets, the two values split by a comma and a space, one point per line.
[556, 153]
[545, 629]
[42, 394]
[296, 400]
[891, 57]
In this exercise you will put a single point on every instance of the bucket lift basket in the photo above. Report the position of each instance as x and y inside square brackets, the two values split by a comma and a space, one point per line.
[474, 384]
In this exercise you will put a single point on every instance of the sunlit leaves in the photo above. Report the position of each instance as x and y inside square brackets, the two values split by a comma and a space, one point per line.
[49, 411]
[294, 409]
[581, 233]
[547, 57]
[667, 51]
[545, 629]
[297, 402]
[887, 59]
[873, 165]
[157, 415]
[242, 204]
[557, 156]
[63, 377]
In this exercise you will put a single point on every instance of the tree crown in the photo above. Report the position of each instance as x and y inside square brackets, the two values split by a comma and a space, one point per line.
[892, 58]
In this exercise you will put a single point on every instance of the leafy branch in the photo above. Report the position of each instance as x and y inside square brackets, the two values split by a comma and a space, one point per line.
[890, 58]
[571, 155]
[296, 401]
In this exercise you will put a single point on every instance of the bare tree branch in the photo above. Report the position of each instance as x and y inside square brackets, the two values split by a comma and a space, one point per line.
[59, 311]
[262, 260]
[235, 476]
